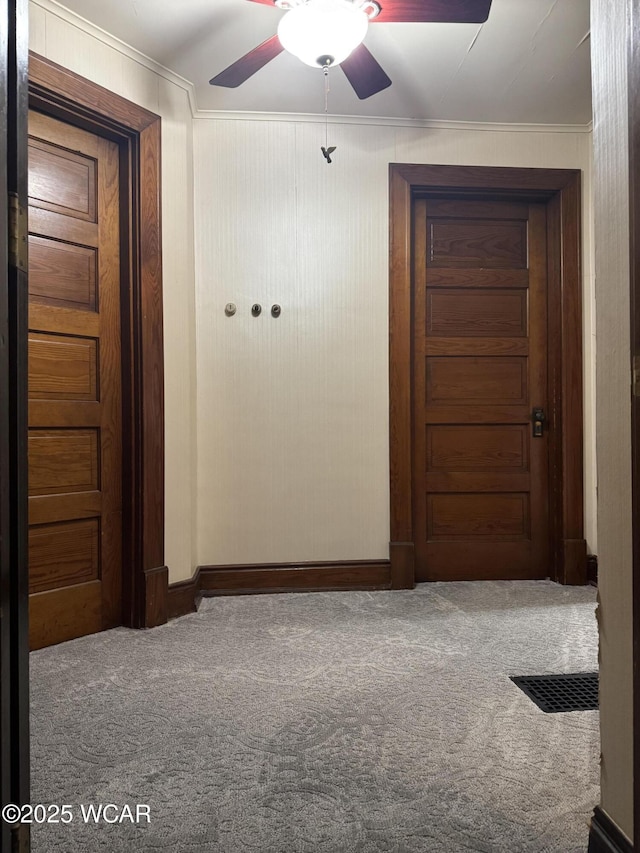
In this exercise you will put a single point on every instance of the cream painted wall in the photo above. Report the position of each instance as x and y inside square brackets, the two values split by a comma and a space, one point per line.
[613, 425]
[293, 413]
[67, 40]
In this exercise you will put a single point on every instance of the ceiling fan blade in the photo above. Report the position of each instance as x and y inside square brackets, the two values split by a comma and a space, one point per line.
[365, 73]
[433, 11]
[251, 62]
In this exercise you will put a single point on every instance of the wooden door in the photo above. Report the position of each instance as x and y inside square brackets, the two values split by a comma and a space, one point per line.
[480, 478]
[75, 489]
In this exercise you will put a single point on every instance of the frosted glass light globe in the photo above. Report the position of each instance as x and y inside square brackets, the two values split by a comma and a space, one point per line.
[323, 32]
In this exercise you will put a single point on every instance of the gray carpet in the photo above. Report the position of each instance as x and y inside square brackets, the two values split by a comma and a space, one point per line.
[325, 723]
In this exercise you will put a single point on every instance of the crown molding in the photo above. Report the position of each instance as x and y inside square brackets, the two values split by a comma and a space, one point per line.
[390, 121]
[106, 38]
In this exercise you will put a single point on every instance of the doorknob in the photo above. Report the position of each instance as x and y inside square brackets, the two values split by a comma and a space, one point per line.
[538, 419]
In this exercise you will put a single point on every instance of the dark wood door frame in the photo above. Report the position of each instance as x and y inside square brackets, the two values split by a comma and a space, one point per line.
[14, 581]
[560, 189]
[60, 93]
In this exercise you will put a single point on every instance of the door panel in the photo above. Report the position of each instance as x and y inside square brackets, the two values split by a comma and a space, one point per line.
[477, 243]
[75, 491]
[61, 180]
[62, 274]
[472, 448]
[465, 381]
[464, 516]
[480, 479]
[63, 554]
[62, 368]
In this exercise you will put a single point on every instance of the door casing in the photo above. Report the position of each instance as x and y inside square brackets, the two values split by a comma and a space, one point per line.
[560, 190]
[14, 590]
[64, 95]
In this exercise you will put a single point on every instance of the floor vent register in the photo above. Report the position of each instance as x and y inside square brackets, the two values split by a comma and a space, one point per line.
[557, 693]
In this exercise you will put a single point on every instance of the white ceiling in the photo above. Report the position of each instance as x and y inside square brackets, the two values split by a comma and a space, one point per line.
[529, 63]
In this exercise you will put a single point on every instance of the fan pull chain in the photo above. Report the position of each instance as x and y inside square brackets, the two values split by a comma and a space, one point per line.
[326, 105]
[326, 151]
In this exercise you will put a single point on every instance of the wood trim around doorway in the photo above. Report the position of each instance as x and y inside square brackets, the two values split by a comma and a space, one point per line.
[61, 93]
[560, 188]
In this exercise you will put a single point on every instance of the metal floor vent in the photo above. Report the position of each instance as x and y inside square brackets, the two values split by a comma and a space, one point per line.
[556, 693]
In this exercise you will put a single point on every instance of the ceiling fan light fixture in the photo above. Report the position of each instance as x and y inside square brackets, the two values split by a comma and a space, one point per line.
[323, 32]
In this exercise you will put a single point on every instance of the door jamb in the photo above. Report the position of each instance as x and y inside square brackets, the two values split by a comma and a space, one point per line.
[560, 189]
[64, 95]
[14, 600]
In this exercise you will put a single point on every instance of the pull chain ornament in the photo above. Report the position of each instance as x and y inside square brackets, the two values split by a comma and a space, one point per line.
[326, 150]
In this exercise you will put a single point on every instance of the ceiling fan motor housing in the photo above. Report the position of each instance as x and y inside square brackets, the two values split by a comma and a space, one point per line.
[323, 32]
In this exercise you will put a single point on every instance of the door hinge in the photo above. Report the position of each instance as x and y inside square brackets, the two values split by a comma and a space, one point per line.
[20, 838]
[635, 376]
[18, 256]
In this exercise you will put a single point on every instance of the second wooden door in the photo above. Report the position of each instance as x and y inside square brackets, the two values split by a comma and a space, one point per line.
[75, 429]
[480, 469]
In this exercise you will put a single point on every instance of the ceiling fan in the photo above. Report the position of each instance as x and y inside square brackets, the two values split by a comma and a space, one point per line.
[330, 32]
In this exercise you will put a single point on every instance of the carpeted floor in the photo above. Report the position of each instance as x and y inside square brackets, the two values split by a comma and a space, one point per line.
[325, 723]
